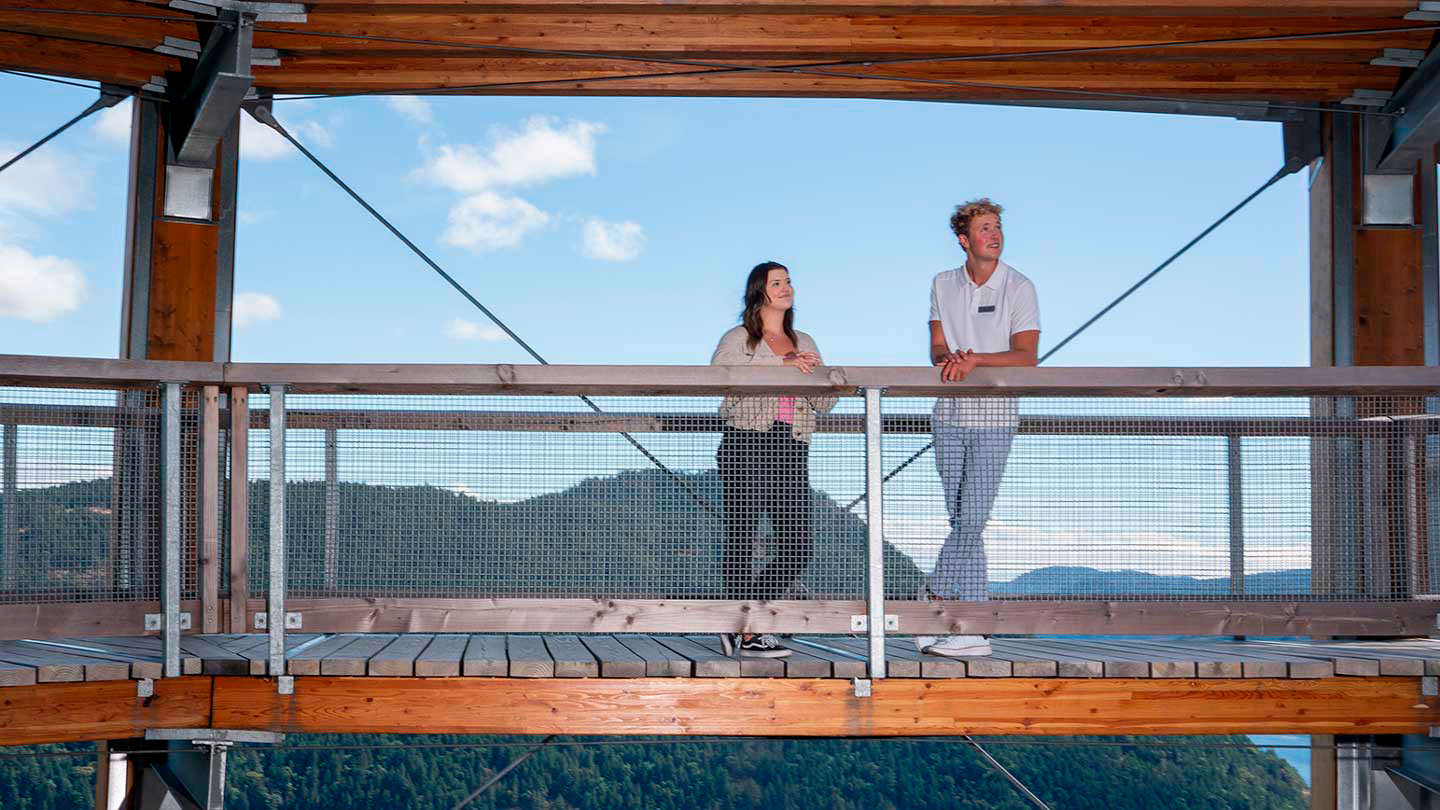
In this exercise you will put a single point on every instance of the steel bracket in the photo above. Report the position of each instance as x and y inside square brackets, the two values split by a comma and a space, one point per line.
[860, 623]
[144, 688]
[293, 621]
[155, 622]
[862, 687]
[285, 685]
[201, 113]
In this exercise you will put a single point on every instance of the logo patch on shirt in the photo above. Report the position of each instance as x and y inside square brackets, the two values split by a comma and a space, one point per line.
[990, 308]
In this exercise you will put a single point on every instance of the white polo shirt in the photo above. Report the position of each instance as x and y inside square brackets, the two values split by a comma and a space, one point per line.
[981, 318]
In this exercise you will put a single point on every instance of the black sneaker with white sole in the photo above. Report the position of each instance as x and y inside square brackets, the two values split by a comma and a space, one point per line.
[763, 646]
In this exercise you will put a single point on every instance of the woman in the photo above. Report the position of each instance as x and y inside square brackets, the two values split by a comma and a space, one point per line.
[764, 458]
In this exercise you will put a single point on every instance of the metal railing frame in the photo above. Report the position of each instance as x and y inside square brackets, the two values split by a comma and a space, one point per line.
[236, 381]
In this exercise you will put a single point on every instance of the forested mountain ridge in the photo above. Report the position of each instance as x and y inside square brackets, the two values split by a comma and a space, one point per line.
[615, 774]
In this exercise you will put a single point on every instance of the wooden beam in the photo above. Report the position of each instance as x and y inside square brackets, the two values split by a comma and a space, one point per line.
[101, 710]
[918, 381]
[826, 707]
[520, 615]
[52, 620]
[1213, 80]
[1304, 8]
[81, 60]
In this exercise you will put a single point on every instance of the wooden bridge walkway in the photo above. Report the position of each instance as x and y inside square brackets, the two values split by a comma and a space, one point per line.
[426, 655]
[625, 684]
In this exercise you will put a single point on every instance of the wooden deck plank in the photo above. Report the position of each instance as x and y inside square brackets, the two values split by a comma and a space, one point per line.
[190, 664]
[805, 662]
[616, 660]
[1340, 663]
[58, 667]
[707, 663]
[529, 657]
[397, 659]
[843, 664]
[1023, 663]
[354, 658]
[441, 657]
[1209, 662]
[1068, 663]
[141, 665]
[307, 661]
[1165, 661]
[485, 656]
[214, 659]
[749, 667]
[902, 660]
[931, 666]
[660, 661]
[1398, 658]
[1313, 665]
[572, 659]
[17, 674]
[1115, 663]
[256, 649]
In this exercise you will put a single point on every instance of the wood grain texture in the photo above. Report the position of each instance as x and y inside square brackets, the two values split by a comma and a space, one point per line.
[109, 710]
[827, 707]
[1220, 618]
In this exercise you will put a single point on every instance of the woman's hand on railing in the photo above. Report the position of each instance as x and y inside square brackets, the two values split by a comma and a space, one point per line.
[805, 361]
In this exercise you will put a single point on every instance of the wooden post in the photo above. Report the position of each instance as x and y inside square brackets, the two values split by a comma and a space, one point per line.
[239, 510]
[178, 271]
[209, 519]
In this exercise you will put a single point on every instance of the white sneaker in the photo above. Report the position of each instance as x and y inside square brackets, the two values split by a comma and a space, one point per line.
[958, 646]
[921, 642]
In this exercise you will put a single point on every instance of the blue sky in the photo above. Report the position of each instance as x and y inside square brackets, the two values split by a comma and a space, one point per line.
[621, 230]
[852, 195]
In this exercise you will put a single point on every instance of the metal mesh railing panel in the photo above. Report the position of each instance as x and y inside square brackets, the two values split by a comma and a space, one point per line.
[1237, 497]
[79, 495]
[473, 497]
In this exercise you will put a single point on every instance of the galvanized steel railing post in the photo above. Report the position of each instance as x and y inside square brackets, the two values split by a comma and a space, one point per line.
[10, 529]
[332, 508]
[170, 556]
[1236, 495]
[875, 520]
[275, 620]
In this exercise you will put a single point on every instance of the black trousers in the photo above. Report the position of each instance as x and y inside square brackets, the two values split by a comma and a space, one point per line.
[765, 472]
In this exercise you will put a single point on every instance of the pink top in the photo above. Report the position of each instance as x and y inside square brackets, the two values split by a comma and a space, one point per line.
[785, 410]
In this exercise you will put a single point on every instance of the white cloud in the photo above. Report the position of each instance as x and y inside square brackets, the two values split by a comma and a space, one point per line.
[259, 142]
[113, 123]
[250, 217]
[314, 133]
[47, 181]
[488, 220]
[415, 109]
[252, 307]
[37, 288]
[461, 329]
[612, 241]
[541, 150]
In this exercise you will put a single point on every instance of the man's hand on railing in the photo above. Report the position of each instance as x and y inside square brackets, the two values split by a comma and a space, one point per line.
[956, 365]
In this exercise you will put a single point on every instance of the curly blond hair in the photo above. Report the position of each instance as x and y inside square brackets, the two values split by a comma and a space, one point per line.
[960, 220]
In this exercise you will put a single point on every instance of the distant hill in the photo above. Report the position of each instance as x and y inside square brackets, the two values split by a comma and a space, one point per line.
[639, 534]
[1154, 772]
[1069, 580]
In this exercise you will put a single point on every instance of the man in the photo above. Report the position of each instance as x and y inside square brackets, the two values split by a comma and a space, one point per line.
[984, 313]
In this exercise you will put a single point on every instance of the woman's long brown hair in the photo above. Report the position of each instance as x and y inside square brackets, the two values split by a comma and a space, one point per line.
[755, 298]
